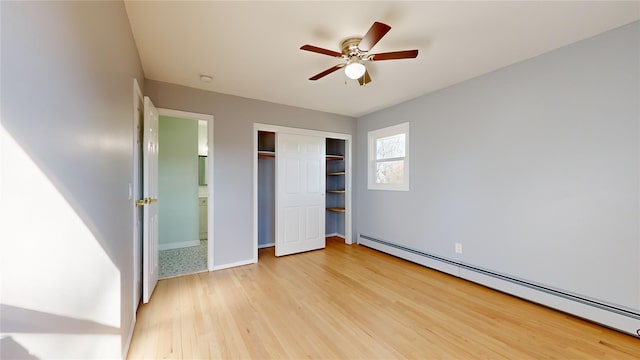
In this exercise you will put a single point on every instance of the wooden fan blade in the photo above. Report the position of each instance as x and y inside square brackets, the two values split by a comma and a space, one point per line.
[406, 54]
[326, 72]
[365, 79]
[375, 33]
[318, 50]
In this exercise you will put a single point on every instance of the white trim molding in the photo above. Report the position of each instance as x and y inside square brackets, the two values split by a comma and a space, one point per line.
[135, 194]
[335, 235]
[234, 264]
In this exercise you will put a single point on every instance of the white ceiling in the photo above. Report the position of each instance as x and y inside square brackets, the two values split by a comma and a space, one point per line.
[252, 48]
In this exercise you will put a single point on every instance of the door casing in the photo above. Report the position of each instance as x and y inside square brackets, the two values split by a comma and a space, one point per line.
[136, 193]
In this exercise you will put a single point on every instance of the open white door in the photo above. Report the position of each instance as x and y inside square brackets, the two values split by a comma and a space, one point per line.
[300, 193]
[150, 201]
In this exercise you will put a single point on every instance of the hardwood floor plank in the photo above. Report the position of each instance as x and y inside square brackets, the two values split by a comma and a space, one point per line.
[351, 302]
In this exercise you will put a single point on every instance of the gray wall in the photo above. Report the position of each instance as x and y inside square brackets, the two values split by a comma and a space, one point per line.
[233, 154]
[178, 210]
[266, 201]
[534, 168]
[66, 233]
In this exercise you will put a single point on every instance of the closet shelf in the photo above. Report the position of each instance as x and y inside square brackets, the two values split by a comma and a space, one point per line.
[336, 173]
[336, 209]
[337, 191]
[334, 157]
[266, 154]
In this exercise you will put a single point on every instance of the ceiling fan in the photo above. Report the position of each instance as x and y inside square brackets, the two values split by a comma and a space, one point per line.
[356, 52]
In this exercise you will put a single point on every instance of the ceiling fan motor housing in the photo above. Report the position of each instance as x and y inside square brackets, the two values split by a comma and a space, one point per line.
[350, 48]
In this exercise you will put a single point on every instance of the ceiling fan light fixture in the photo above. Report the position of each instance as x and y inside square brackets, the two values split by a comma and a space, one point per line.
[354, 69]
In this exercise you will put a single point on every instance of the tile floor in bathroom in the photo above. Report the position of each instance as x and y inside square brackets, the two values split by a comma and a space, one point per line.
[189, 260]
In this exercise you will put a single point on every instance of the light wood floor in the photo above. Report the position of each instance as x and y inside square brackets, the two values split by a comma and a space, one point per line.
[348, 302]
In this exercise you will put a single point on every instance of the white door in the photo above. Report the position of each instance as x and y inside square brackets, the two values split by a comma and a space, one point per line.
[150, 194]
[300, 193]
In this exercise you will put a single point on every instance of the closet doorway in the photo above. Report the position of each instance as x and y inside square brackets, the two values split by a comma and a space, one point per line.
[285, 175]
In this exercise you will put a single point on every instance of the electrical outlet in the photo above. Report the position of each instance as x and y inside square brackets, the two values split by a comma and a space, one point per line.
[458, 248]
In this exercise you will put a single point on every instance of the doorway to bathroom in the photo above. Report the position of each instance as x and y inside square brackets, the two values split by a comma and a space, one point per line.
[184, 173]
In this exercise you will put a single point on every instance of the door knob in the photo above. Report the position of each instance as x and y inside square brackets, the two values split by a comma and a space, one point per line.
[145, 201]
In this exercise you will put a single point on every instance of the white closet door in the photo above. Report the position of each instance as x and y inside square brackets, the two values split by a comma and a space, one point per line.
[300, 193]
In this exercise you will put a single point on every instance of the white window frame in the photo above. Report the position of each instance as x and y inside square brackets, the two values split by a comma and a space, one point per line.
[372, 161]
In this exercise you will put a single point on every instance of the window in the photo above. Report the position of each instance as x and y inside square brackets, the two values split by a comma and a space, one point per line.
[389, 158]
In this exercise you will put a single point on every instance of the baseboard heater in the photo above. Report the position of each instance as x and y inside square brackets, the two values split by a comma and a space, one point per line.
[621, 319]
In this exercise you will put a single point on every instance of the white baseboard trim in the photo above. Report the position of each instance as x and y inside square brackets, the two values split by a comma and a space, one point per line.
[235, 264]
[336, 235]
[127, 344]
[178, 245]
[625, 320]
